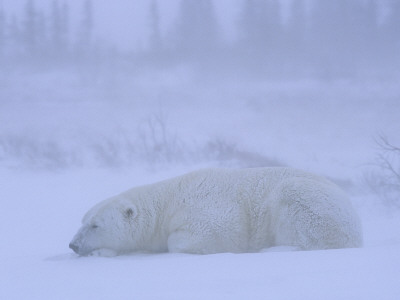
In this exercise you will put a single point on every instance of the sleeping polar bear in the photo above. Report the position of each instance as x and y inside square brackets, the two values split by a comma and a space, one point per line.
[222, 210]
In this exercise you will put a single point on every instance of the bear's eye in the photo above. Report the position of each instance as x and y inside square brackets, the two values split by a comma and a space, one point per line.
[94, 226]
[129, 213]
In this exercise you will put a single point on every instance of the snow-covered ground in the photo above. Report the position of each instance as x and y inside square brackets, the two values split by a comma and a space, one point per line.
[66, 146]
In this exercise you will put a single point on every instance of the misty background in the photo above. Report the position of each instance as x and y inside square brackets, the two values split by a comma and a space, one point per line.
[270, 39]
[154, 83]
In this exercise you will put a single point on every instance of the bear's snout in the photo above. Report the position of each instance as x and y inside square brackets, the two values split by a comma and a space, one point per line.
[74, 247]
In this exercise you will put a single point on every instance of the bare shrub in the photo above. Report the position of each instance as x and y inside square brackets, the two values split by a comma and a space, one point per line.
[385, 180]
[25, 151]
[153, 144]
[229, 153]
[114, 152]
[157, 144]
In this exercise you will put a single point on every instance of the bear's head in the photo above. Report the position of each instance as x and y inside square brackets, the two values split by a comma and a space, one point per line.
[107, 229]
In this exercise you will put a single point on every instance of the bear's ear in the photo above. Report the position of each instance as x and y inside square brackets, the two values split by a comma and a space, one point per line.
[130, 212]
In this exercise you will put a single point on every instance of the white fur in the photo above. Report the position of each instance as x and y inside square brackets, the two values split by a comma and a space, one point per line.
[223, 210]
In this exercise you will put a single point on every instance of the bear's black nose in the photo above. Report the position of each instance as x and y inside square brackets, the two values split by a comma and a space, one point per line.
[74, 247]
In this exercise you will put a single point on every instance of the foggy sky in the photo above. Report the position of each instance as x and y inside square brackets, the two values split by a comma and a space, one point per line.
[125, 22]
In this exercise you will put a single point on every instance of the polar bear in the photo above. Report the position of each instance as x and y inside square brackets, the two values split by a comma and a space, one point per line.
[222, 210]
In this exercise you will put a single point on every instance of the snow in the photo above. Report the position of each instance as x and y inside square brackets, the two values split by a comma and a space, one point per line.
[335, 274]
[65, 147]
[43, 211]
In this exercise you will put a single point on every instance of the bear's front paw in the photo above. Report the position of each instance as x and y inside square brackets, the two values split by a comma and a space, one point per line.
[281, 249]
[104, 252]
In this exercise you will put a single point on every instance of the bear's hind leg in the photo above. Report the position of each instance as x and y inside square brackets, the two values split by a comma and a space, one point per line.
[313, 218]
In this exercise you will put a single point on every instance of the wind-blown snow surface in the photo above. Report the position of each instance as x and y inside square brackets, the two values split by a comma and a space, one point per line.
[325, 128]
[41, 212]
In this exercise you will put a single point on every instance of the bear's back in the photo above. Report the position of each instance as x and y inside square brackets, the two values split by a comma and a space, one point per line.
[233, 186]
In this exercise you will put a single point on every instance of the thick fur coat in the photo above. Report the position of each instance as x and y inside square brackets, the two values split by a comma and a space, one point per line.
[222, 210]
